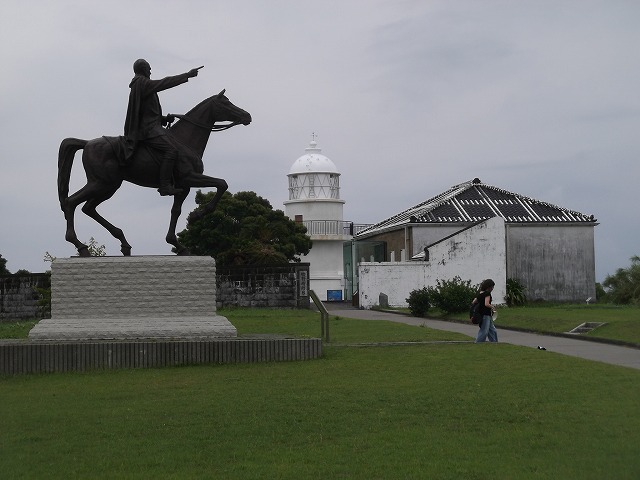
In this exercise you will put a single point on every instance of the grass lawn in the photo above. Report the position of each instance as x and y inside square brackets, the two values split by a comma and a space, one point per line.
[436, 411]
[442, 411]
[19, 329]
[622, 322]
[342, 330]
[297, 323]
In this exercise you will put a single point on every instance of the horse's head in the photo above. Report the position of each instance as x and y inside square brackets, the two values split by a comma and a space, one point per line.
[222, 110]
[196, 125]
[209, 112]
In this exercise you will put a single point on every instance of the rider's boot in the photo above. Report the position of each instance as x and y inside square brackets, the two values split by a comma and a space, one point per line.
[166, 176]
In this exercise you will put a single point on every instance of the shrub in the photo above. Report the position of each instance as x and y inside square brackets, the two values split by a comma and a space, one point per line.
[623, 287]
[452, 296]
[515, 293]
[418, 302]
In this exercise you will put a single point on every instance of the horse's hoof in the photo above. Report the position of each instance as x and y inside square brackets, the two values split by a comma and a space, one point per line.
[126, 250]
[84, 251]
[184, 252]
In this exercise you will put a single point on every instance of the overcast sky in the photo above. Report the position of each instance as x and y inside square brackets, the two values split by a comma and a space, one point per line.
[406, 97]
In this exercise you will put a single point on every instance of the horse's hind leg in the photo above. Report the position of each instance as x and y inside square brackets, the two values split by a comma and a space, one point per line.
[69, 206]
[89, 208]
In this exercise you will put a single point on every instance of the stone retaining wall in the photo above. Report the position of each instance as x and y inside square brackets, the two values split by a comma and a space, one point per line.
[19, 296]
[248, 286]
[283, 286]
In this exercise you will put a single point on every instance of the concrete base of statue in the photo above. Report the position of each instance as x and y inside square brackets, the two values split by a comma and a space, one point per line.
[132, 298]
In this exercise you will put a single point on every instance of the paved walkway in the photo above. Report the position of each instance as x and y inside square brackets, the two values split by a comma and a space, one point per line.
[600, 352]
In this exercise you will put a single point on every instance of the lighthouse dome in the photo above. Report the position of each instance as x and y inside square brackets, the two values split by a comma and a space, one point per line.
[313, 177]
[313, 162]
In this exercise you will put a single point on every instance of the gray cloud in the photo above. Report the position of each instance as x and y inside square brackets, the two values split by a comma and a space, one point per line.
[408, 98]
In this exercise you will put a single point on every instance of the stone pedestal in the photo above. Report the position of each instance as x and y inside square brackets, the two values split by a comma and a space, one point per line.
[131, 298]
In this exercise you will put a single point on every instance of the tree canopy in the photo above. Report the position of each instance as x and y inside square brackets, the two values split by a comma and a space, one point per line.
[244, 229]
[623, 287]
[3, 266]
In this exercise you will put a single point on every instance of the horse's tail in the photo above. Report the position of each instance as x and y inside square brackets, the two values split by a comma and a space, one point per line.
[68, 149]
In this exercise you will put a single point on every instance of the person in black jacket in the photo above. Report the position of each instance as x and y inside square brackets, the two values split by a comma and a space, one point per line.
[487, 328]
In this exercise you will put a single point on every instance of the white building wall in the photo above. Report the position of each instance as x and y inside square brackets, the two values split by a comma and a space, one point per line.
[424, 235]
[553, 262]
[475, 254]
[325, 267]
[315, 210]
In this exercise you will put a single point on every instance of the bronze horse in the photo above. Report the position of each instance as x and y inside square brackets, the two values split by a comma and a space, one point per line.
[105, 173]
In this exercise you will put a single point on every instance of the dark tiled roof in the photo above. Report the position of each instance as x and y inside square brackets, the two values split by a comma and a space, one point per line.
[475, 201]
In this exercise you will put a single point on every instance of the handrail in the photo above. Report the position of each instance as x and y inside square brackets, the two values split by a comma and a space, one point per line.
[324, 316]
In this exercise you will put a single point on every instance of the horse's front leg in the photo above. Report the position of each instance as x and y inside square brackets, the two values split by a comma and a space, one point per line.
[176, 210]
[199, 180]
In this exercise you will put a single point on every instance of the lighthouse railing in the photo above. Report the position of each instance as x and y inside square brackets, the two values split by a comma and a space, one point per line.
[332, 227]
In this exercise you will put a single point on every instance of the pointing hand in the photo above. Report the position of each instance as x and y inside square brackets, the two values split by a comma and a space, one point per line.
[194, 71]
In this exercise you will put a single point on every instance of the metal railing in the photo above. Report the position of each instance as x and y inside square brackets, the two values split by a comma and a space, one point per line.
[324, 316]
[333, 227]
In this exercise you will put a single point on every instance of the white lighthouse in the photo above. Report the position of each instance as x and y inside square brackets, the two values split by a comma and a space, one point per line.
[314, 200]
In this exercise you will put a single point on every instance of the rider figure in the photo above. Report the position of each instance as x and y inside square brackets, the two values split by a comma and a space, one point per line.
[144, 120]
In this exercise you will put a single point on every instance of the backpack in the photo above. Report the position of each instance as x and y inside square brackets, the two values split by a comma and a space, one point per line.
[475, 313]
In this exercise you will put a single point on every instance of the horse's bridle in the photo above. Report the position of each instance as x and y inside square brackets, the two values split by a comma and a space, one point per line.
[214, 128]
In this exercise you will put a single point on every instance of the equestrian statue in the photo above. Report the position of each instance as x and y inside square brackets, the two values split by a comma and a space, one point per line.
[154, 152]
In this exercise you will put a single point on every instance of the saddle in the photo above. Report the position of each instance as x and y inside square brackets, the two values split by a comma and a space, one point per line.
[121, 145]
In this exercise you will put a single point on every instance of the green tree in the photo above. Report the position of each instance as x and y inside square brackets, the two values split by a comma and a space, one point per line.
[3, 266]
[601, 294]
[244, 229]
[623, 287]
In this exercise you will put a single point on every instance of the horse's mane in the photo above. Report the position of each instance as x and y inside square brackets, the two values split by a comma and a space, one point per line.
[200, 105]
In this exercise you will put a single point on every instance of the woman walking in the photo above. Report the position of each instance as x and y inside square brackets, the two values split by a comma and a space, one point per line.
[487, 328]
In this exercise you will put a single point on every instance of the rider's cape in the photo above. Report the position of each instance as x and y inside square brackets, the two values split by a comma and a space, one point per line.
[127, 145]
